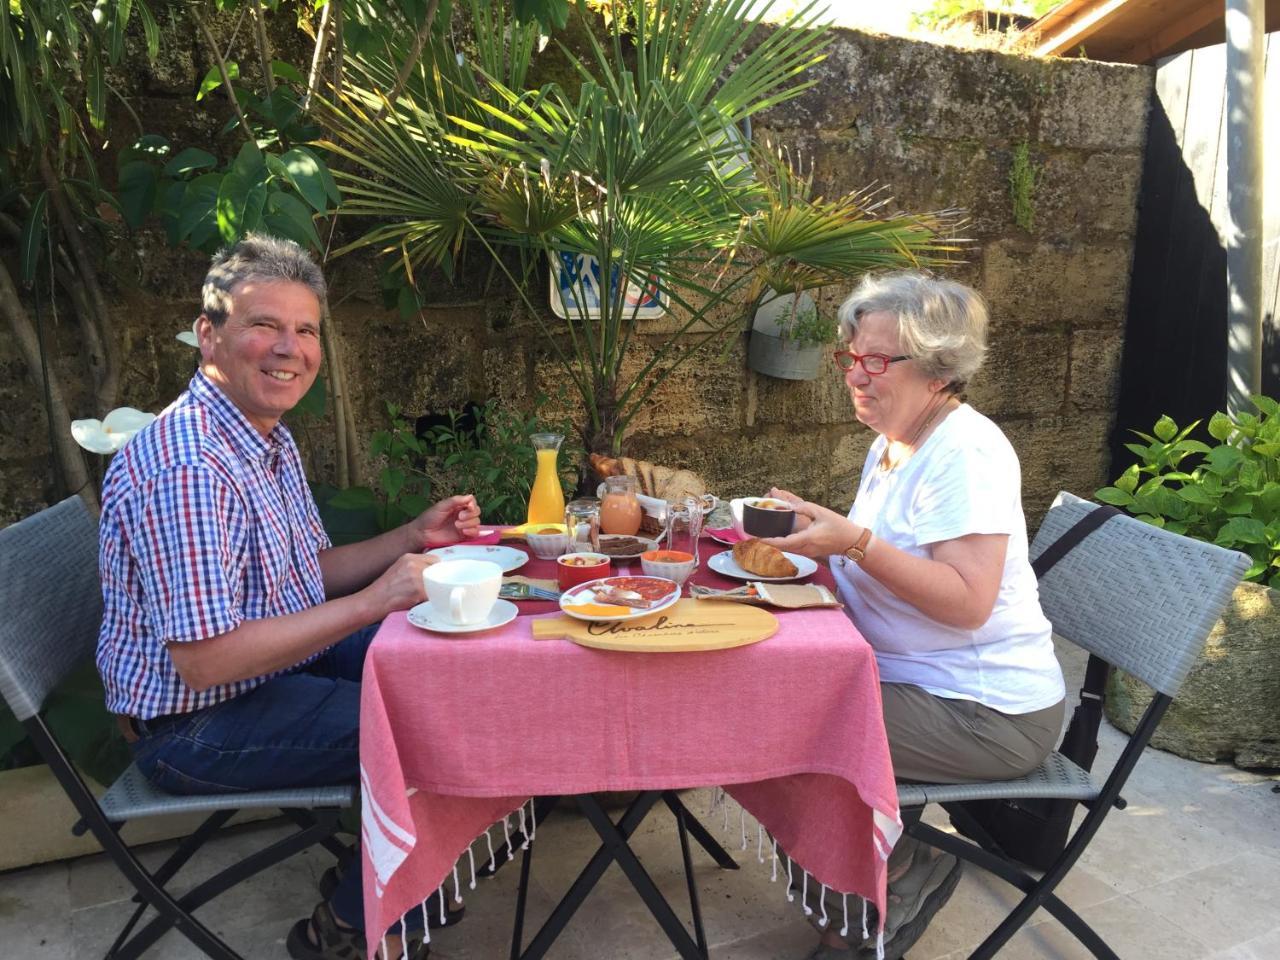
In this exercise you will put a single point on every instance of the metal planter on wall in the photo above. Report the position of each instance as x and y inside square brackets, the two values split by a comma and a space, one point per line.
[774, 355]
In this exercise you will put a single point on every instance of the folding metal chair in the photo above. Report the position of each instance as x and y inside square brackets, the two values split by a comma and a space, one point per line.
[1138, 598]
[50, 610]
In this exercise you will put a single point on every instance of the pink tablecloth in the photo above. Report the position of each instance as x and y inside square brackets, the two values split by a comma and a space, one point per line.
[458, 732]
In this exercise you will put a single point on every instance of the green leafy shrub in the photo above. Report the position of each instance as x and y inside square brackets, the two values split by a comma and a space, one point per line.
[1228, 494]
[490, 456]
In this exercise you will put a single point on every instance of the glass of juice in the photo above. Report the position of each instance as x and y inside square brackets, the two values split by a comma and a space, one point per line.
[619, 509]
[546, 498]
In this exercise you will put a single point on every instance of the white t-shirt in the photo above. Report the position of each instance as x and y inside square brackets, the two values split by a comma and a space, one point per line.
[964, 479]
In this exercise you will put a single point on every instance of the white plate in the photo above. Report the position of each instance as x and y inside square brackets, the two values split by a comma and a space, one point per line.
[723, 564]
[585, 593]
[424, 617]
[508, 558]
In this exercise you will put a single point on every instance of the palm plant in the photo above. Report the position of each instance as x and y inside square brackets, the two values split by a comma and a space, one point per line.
[644, 170]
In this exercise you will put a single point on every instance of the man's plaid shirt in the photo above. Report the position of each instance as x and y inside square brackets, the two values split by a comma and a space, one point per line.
[205, 524]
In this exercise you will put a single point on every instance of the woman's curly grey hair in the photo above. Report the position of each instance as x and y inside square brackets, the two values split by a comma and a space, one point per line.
[942, 324]
[257, 257]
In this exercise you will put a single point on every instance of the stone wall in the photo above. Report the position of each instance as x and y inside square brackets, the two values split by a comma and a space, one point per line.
[938, 125]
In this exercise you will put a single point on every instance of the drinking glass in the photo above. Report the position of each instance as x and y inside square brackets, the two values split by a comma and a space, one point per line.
[684, 528]
[582, 522]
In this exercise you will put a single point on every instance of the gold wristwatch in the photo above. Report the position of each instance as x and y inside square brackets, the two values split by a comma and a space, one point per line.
[858, 551]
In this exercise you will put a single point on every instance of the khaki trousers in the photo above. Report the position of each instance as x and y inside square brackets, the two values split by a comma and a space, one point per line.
[938, 740]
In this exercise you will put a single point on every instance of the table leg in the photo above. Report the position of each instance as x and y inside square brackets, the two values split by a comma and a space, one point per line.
[694, 907]
[640, 879]
[699, 832]
[522, 895]
[587, 879]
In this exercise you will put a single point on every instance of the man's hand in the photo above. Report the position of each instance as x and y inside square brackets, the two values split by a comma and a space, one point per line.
[449, 521]
[401, 586]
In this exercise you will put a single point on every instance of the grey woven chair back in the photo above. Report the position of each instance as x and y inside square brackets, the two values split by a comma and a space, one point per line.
[50, 602]
[1140, 597]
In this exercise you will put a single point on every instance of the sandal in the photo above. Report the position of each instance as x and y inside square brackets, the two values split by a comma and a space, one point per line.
[914, 901]
[320, 938]
[330, 879]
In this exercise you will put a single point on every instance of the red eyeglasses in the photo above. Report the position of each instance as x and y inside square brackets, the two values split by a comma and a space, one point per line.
[873, 363]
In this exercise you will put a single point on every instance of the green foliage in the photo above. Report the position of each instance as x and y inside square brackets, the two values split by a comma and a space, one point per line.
[491, 458]
[1228, 494]
[271, 185]
[1024, 177]
[644, 170]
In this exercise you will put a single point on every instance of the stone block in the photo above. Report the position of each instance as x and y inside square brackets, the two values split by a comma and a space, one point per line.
[1059, 453]
[740, 465]
[1082, 195]
[706, 392]
[1025, 374]
[951, 94]
[1094, 382]
[1090, 105]
[1045, 285]
[1226, 709]
[802, 403]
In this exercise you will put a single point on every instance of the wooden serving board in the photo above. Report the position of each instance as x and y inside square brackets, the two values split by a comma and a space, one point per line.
[685, 626]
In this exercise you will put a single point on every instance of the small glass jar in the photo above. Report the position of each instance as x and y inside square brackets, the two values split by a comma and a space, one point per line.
[582, 523]
[619, 509]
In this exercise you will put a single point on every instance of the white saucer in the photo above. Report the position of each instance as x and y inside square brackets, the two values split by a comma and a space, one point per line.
[508, 558]
[723, 564]
[424, 617]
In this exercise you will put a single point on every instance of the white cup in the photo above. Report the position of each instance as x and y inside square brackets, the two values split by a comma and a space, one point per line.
[462, 592]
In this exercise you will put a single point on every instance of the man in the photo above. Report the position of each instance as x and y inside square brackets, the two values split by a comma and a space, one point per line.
[234, 632]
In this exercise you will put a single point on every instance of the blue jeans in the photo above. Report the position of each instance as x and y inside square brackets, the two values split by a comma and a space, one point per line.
[296, 730]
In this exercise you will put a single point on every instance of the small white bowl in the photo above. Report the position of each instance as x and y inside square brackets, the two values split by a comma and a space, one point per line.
[679, 571]
[547, 546]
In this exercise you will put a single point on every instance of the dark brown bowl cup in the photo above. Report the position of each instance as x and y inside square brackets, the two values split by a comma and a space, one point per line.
[766, 517]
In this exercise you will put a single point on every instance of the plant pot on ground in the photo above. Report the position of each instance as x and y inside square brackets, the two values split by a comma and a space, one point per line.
[1229, 494]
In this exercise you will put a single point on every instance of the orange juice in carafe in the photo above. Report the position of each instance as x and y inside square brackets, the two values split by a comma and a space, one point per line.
[619, 509]
[546, 498]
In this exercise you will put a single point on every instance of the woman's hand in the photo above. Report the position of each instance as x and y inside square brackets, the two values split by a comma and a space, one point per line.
[819, 532]
[448, 521]
[777, 493]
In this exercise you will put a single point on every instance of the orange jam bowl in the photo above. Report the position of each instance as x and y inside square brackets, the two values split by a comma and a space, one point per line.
[670, 564]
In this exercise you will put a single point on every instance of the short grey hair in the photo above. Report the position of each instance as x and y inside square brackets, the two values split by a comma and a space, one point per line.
[258, 257]
[942, 324]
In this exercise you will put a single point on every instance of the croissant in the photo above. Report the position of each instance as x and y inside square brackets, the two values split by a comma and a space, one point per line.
[762, 559]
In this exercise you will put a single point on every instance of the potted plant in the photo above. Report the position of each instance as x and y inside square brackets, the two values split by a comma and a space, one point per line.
[635, 162]
[1228, 494]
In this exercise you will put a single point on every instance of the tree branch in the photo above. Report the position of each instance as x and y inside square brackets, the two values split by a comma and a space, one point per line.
[264, 46]
[222, 69]
[104, 358]
[67, 453]
[317, 56]
[411, 61]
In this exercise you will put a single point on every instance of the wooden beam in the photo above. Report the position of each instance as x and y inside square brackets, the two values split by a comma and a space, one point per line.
[1078, 26]
[1164, 39]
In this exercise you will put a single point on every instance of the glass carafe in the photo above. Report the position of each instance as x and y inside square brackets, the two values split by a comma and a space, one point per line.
[546, 498]
[619, 508]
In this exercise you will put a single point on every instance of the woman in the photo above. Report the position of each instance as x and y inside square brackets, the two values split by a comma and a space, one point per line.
[932, 565]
